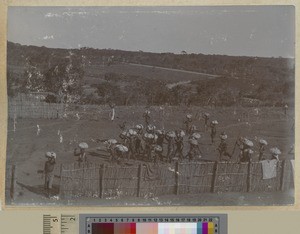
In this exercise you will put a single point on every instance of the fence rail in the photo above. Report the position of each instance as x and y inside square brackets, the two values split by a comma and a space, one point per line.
[148, 180]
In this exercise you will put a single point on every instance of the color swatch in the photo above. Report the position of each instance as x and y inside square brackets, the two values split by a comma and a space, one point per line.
[153, 228]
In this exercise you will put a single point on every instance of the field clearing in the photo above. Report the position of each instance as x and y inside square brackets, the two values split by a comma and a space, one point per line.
[26, 149]
[95, 73]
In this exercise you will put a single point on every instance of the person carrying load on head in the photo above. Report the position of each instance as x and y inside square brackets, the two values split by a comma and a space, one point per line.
[139, 138]
[124, 136]
[149, 139]
[121, 151]
[170, 138]
[206, 118]
[213, 127]
[110, 146]
[187, 122]
[262, 144]
[222, 148]
[194, 151]
[179, 144]
[157, 153]
[49, 171]
[246, 152]
[275, 152]
[82, 154]
[160, 137]
[147, 117]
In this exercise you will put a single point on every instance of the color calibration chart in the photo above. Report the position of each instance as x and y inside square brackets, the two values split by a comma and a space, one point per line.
[150, 224]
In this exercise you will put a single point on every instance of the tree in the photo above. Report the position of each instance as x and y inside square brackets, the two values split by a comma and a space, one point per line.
[65, 79]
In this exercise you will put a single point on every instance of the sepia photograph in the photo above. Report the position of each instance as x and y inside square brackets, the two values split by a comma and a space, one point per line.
[150, 106]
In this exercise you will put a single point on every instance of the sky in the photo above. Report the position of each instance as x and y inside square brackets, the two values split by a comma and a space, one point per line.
[262, 31]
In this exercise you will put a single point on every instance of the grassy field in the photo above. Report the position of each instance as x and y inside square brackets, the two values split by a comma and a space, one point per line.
[26, 149]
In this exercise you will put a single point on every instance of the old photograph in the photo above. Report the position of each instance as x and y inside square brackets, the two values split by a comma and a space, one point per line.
[150, 106]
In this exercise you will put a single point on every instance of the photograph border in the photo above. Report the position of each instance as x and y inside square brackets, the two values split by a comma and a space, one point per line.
[139, 209]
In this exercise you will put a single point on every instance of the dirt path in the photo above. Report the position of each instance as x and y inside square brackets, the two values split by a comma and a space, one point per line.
[173, 69]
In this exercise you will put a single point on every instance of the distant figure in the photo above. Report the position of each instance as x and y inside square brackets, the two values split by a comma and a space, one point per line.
[194, 150]
[170, 138]
[245, 150]
[222, 148]
[139, 138]
[275, 152]
[179, 144]
[123, 126]
[286, 107]
[160, 137]
[213, 127]
[146, 117]
[187, 123]
[157, 153]
[206, 118]
[49, 171]
[132, 144]
[82, 154]
[110, 147]
[262, 144]
[112, 113]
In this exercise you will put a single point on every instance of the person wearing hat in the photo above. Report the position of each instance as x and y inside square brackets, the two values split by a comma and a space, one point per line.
[179, 145]
[194, 149]
[213, 132]
[187, 123]
[206, 118]
[146, 117]
[82, 154]
[222, 148]
[49, 171]
[262, 144]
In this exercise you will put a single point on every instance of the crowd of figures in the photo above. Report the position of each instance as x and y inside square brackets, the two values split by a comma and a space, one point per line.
[146, 142]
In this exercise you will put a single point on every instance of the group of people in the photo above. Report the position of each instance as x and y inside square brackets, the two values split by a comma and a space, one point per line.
[146, 142]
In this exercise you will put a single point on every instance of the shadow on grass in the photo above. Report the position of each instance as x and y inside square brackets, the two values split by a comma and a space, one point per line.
[40, 190]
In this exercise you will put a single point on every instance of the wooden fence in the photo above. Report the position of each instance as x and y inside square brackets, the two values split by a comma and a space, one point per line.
[148, 180]
[34, 109]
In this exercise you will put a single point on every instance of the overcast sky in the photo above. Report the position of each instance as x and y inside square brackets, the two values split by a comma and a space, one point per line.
[265, 31]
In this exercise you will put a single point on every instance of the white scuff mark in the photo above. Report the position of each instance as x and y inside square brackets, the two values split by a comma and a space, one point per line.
[38, 130]
[77, 116]
[47, 37]
[61, 139]
[15, 122]
[50, 15]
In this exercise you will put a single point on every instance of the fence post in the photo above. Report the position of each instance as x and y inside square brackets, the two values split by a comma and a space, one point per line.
[139, 180]
[282, 182]
[60, 182]
[177, 178]
[249, 177]
[214, 178]
[13, 182]
[101, 180]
